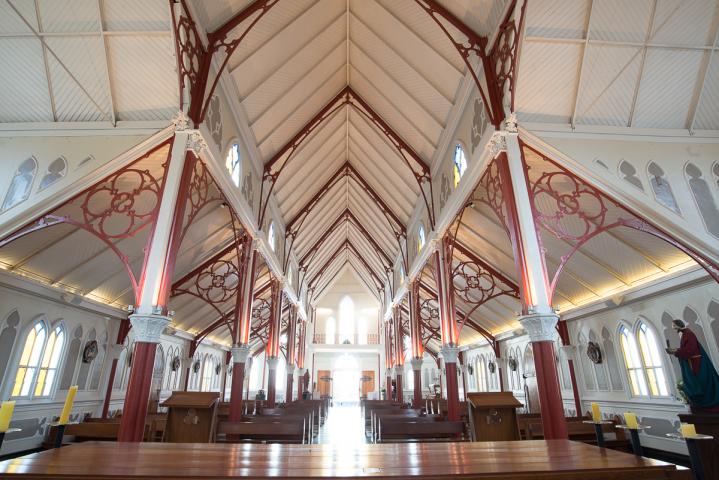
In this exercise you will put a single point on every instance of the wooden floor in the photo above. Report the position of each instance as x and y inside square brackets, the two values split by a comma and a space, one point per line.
[537, 459]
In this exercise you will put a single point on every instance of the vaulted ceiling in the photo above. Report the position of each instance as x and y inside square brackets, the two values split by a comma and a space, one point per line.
[346, 189]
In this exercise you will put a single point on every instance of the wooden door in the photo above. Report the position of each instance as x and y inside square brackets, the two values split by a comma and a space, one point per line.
[324, 382]
[367, 385]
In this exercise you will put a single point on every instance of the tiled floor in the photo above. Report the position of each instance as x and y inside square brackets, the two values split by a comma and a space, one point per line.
[344, 426]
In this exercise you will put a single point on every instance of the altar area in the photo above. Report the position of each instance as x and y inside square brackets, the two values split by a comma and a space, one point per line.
[533, 459]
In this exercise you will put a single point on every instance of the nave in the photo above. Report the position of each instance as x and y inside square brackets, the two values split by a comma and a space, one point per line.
[482, 221]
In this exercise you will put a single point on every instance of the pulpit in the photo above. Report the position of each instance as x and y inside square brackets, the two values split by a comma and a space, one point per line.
[191, 417]
[493, 416]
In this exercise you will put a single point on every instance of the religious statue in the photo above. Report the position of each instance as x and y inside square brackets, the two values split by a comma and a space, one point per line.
[700, 379]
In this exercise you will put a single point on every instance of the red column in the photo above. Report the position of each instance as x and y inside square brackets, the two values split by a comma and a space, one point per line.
[538, 319]
[417, 371]
[452, 391]
[239, 359]
[108, 392]
[398, 381]
[548, 387]
[132, 425]
[290, 381]
[448, 325]
[121, 337]
[569, 352]
[151, 314]
[271, 381]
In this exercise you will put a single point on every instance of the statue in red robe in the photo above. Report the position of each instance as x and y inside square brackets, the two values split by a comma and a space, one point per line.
[700, 379]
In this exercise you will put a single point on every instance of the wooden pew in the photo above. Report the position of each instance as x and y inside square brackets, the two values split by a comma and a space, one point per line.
[419, 430]
[83, 432]
[585, 433]
[283, 431]
[408, 415]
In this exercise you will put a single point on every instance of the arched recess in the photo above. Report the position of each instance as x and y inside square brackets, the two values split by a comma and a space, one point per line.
[574, 212]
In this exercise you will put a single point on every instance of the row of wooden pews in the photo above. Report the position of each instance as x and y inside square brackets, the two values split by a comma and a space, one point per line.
[530, 428]
[386, 421]
[105, 429]
[294, 422]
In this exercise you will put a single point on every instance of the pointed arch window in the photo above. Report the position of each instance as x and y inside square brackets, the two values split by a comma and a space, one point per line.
[633, 362]
[233, 163]
[55, 171]
[661, 188]
[703, 198]
[347, 320]
[421, 237]
[459, 162]
[272, 236]
[652, 359]
[21, 183]
[39, 360]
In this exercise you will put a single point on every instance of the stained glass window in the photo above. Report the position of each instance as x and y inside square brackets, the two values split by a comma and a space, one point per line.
[233, 164]
[420, 237]
[460, 164]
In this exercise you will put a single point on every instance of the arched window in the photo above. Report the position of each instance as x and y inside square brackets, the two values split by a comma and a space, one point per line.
[290, 275]
[233, 164]
[55, 171]
[703, 198]
[482, 375]
[459, 164]
[20, 184]
[651, 356]
[330, 330]
[421, 237]
[347, 320]
[271, 236]
[207, 371]
[633, 362]
[39, 360]
[661, 188]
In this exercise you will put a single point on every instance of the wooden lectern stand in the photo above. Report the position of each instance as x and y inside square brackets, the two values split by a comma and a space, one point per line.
[707, 424]
[191, 417]
[493, 416]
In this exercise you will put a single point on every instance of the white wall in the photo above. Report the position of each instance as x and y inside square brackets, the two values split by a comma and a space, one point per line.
[691, 296]
[21, 304]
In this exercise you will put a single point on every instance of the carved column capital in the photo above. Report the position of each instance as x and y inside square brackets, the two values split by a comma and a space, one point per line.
[416, 363]
[196, 142]
[148, 327]
[449, 353]
[540, 326]
[399, 369]
[301, 371]
[240, 353]
[272, 363]
[497, 143]
[389, 372]
[181, 122]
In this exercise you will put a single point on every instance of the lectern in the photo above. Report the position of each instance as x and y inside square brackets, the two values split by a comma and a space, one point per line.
[191, 417]
[493, 416]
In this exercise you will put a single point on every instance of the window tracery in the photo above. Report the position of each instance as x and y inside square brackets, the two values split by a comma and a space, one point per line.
[20, 184]
[459, 164]
[233, 163]
[662, 189]
[55, 171]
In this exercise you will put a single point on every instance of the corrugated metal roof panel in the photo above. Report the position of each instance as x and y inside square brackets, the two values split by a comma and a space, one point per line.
[556, 18]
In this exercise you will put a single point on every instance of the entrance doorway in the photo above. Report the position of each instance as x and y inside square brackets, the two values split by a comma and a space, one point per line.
[346, 380]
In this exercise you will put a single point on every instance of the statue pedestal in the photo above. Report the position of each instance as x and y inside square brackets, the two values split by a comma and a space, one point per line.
[707, 424]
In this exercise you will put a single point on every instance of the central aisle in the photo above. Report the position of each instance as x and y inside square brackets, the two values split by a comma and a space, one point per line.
[344, 426]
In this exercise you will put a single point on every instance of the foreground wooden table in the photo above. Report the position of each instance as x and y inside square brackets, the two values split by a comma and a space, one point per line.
[533, 459]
